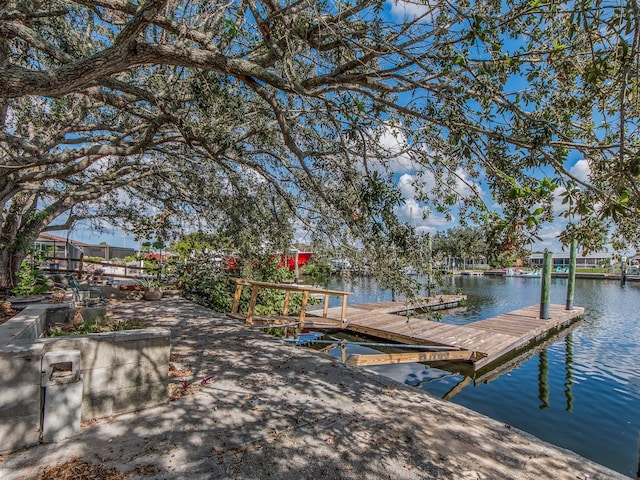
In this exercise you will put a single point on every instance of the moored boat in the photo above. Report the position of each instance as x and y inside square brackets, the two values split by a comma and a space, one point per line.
[516, 272]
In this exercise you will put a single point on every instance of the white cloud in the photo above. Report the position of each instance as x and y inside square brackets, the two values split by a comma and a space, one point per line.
[406, 186]
[394, 147]
[558, 207]
[11, 122]
[581, 170]
[412, 9]
[414, 213]
[463, 186]
[549, 236]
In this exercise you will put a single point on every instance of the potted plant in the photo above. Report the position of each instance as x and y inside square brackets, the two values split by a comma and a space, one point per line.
[151, 288]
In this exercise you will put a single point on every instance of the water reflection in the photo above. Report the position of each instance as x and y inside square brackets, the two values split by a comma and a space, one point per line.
[457, 388]
[543, 380]
[568, 376]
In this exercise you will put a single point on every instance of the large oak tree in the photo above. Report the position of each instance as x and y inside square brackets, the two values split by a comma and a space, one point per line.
[258, 117]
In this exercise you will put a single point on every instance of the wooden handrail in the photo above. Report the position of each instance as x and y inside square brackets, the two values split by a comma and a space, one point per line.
[287, 288]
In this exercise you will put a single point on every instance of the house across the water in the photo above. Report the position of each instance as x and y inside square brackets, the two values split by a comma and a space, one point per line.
[591, 260]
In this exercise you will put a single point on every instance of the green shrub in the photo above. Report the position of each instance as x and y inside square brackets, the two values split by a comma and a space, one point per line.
[209, 282]
[95, 326]
[30, 282]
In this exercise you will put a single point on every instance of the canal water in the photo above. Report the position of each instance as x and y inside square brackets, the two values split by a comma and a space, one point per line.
[580, 392]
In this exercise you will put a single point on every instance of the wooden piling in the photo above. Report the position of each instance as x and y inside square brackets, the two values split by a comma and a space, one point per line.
[572, 274]
[545, 289]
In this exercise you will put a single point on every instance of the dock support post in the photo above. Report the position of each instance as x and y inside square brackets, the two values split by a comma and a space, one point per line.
[545, 289]
[572, 275]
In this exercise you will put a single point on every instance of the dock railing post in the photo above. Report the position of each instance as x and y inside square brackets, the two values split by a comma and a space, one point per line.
[572, 275]
[545, 289]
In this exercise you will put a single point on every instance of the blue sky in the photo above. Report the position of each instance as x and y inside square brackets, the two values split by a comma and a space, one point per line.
[83, 232]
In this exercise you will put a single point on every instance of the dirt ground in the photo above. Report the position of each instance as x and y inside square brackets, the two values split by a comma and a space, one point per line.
[260, 409]
[6, 312]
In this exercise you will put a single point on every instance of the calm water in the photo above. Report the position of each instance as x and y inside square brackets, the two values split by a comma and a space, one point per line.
[582, 392]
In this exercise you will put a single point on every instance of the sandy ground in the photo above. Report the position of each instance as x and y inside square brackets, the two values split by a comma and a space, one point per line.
[276, 411]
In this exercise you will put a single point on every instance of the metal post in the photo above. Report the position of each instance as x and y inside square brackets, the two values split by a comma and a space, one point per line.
[572, 275]
[545, 289]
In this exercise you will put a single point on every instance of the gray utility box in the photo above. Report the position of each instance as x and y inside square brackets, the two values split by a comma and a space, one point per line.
[62, 388]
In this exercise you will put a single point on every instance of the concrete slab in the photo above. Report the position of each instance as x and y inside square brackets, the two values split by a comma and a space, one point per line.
[277, 411]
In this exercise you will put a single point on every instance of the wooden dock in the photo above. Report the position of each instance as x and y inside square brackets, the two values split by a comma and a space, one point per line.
[481, 343]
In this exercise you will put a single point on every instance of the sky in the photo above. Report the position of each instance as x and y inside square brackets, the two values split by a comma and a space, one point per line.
[111, 235]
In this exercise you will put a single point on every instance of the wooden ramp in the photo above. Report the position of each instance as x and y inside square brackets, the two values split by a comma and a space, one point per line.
[481, 342]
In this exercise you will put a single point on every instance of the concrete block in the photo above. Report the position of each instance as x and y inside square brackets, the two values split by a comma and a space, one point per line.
[23, 326]
[132, 375]
[97, 379]
[33, 320]
[62, 411]
[20, 365]
[19, 432]
[136, 398]
[30, 323]
[136, 346]
[96, 350]
[144, 333]
[96, 315]
[19, 394]
[97, 405]
[117, 401]
[19, 401]
[58, 313]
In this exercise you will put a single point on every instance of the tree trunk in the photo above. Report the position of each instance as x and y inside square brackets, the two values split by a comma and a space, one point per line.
[20, 230]
[10, 262]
